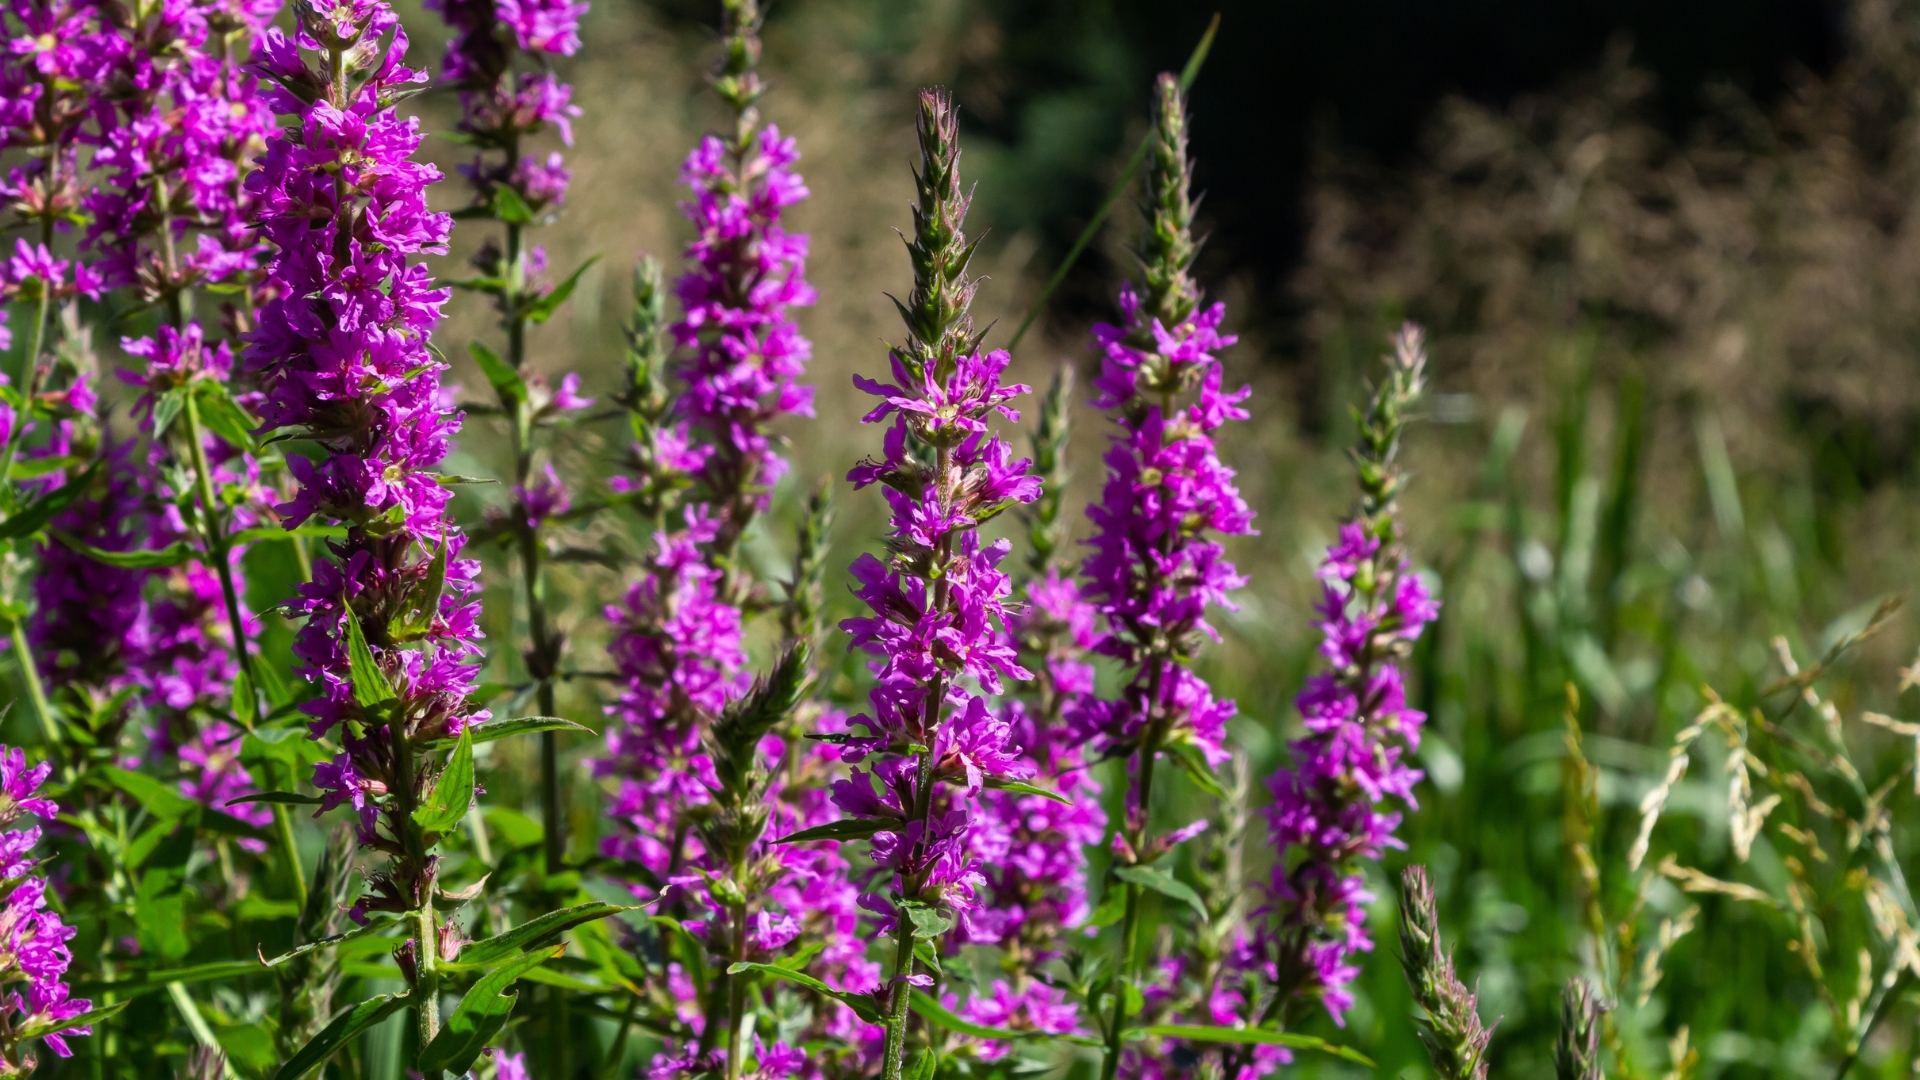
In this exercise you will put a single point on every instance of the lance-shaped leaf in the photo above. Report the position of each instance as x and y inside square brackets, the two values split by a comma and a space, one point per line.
[154, 797]
[39, 1029]
[844, 829]
[936, 1013]
[929, 922]
[863, 1005]
[35, 515]
[371, 688]
[1247, 1036]
[223, 416]
[258, 533]
[374, 924]
[481, 1013]
[507, 727]
[541, 309]
[1152, 877]
[350, 1022]
[452, 795]
[138, 559]
[284, 798]
[500, 375]
[146, 982]
[1195, 765]
[488, 951]
[1022, 788]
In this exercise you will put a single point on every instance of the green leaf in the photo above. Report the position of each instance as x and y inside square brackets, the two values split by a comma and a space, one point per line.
[844, 829]
[1247, 1036]
[1194, 764]
[285, 798]
[350, 1022]
[39, 1029]
[148, 981]
[509, 208]
[34, 516]
[35, 468]
[924, 952]
[1152, 877]
[141, 558]
[1020, 788]
[500, 375]
[370, 685]
[482, 1012]
[863, 1005]
[372, 925]
[924, 1066]
[502, 728]
[487, 951]
[929, 922]
[931, 1010]
[167, 410]
[542, 309]
[224, 416]
[275, 532]
[452, 795]
[154, 796]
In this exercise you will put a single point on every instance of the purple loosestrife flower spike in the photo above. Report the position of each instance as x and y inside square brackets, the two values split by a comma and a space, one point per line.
[500, 60]
[1329, 807]
[33, 951]
[342, 356]
[741, 349]
[1154, 569]
[1032, 850]
[1450, 1027]
[938, 629]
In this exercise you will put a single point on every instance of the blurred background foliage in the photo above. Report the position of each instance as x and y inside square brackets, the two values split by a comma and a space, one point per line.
[1669, 254]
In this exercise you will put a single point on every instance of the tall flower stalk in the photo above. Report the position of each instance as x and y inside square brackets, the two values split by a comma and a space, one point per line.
[710, 769]
[499, 60]
[938, 629]
[176, 128]
[58, 50]
[342, 356]
[1156, 567]
[1329, 807]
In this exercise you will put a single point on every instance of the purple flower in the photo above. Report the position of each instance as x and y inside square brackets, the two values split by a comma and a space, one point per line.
[33, 940]
[341, 354]
[1330, 806]
[938, 631]
[543, 26]
[742, 350]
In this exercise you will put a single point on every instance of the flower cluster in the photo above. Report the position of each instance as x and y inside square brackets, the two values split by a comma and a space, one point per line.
[175, 130]
[34, 949]
[1328, 808]
[743, 351]
[502, 104]
[58, 51]
[938, 627]
[1154, 571]
[342, 358]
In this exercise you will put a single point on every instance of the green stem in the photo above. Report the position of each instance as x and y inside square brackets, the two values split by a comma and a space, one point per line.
[897, 1006]
[29, 377]
[36, 691]
[246, 705]
[1130, 924]
[736, 991]
[426, 942]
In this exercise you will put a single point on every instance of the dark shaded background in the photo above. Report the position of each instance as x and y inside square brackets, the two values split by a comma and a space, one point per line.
[1062, 85]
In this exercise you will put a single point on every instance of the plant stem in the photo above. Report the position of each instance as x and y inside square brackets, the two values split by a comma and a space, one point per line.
[247, 705]
[29, 377]
[219, 555]
[1130, 924]
[36, 691]
[897, 1005]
